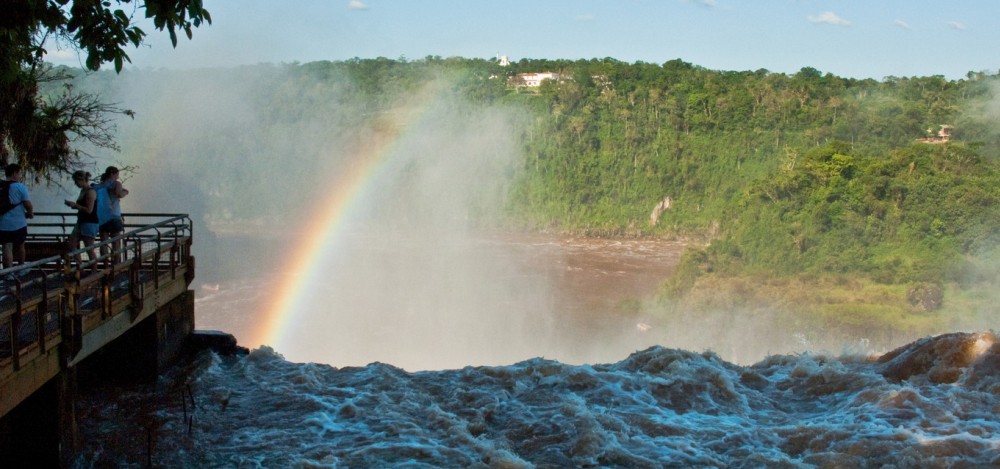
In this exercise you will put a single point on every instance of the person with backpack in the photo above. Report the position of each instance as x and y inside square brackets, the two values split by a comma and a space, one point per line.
[86, 217]
[16, 208]
[109, 210]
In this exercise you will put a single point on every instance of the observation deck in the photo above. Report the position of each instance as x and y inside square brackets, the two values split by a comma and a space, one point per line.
[62, 306]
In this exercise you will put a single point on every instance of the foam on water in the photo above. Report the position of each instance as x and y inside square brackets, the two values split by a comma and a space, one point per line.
[931, 403]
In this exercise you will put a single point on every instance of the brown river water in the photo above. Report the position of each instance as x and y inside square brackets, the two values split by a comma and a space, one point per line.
[431, 302]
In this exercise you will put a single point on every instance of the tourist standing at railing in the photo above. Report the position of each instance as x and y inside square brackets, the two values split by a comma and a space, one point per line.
[14, 223]
[86, 216]
[116, 225]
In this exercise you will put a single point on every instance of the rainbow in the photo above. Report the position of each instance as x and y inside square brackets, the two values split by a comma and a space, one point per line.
[321, 234]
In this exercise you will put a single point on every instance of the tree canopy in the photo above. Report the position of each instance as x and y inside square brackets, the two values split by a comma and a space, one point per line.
[37, 131]
[820, 199]
[807, 172]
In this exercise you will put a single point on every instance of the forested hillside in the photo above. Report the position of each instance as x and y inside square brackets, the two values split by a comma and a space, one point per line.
[819, 203]
[808, 176]
[786, 174]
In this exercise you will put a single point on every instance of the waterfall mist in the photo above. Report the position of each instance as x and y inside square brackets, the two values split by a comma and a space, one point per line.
[407, 278]
[407, 269]
[409, 273]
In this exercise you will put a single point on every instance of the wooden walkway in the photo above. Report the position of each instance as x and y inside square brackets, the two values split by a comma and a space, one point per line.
[62, 306]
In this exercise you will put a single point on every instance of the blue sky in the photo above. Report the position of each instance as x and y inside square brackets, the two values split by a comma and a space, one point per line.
[851, 38]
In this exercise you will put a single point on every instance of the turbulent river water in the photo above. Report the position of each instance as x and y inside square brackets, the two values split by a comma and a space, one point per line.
[572, 373]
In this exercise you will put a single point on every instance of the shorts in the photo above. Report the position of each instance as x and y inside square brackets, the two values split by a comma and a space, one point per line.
[113, 226]
[86, 230]
[16, 237]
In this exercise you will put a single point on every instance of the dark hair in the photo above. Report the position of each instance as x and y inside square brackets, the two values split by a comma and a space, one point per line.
[81, 176]
[11, 169]
[111, 170]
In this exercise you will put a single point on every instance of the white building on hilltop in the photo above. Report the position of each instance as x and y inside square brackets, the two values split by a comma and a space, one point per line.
[533, 80]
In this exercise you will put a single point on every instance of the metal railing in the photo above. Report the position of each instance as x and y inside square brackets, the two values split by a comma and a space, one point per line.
[61, 294]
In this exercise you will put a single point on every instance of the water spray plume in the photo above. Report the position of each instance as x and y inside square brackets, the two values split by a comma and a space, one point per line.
[361, 173]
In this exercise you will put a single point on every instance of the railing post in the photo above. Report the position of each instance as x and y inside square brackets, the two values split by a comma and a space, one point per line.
[15, 326]
[43, 307]
[156, 264]
[106, 294]
[40, 316]
[189, 263]
[12, 347]
[135, 278]
[71, 280]
[175, 251]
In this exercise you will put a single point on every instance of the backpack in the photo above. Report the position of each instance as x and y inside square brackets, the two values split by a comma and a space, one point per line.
[5, 205]
[103, 203]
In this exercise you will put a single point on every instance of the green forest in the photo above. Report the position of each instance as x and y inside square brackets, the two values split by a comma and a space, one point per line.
[866, 204]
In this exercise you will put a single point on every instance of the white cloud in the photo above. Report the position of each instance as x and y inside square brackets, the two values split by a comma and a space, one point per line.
[357, 5]
[902, 24]
[957, 25]
[585, 17]
[828, 17]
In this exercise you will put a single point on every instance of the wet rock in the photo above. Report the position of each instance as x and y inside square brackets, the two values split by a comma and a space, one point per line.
[941, 359]
[219, 342]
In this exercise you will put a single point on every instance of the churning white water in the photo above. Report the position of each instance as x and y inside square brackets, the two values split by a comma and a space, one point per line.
[932, 403]
[584, 385]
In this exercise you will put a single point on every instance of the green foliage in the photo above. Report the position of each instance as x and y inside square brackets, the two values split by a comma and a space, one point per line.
[692, 265]
[913, 216]
[808, 175]
[803, 174]
[38, 132]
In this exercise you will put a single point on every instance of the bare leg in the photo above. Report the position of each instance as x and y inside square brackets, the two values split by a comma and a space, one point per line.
[91, 253]
[116, 247]
[104, 247]
[19, 253]
[116, 256]
[8, 255]
[72, 244]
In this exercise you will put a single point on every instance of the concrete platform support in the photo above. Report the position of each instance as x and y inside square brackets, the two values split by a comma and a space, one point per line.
[174, 325]
[146, 349]
[43, 430]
